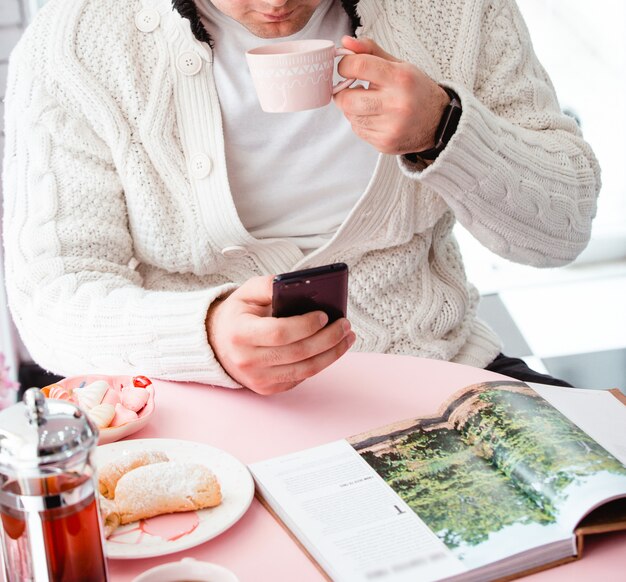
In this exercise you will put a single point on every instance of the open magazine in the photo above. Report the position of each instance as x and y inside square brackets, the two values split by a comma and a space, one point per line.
[504, 480]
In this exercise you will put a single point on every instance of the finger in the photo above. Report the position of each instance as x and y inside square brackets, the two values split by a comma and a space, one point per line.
[378, 140]
[370, 136]
[282, 378]
[256, 290]
[362, 122]
[273, 388]
[312, 366]
[359, 101]
[279, 331]
[367, 67]
[367, 46]
[304, 349]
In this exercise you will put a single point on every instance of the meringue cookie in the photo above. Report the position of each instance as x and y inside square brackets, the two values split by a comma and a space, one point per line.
[58, 392]
[134, 398]
[123, 415]
[91, 395]
[112, 396]
[102, 414]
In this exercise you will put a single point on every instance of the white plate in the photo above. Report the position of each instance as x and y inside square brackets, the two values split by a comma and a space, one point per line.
[132, 541]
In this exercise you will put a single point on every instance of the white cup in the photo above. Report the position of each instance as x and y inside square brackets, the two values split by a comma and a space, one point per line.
[187, 569]
[295, 75]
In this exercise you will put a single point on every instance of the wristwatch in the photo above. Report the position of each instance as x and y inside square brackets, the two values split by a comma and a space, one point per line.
[445, 130]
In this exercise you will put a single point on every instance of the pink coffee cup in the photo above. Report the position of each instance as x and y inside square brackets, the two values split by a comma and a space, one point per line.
[295, 75]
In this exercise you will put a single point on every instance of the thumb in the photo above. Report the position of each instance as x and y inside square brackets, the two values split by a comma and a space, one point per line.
[366, 46]
[257, 290]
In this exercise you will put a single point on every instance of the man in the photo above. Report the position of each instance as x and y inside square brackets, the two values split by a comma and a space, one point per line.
[149, 200]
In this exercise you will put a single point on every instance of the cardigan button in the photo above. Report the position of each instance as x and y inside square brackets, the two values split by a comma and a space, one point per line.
[234, 251]
[200, 166]
[189, 63]
[147, 19]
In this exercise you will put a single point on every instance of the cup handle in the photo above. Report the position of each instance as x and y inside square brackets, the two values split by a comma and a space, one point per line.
[341, 52]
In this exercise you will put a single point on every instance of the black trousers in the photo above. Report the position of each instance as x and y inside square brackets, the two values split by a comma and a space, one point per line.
[516, 368]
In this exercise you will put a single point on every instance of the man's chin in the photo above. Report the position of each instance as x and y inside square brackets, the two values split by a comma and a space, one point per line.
[275, 29]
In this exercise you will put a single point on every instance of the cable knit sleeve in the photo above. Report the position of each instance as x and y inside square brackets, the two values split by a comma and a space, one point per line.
[517, 172]
[77, 303]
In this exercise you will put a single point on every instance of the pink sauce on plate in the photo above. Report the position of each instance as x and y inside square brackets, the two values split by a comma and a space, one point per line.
[172, 526]
[169, 527]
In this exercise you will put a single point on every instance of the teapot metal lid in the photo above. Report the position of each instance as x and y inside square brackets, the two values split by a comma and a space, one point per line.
[39, 432]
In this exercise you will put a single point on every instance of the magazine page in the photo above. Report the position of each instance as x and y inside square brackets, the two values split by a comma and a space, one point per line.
[602, 415]
[479, 513]
[558, 465]
[349, 520]
[598, 412]
[499, 470]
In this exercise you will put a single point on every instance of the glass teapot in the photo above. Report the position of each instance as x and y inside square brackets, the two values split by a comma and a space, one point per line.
[51, 529]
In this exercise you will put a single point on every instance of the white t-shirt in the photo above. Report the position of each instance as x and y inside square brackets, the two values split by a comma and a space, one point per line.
[297, 175]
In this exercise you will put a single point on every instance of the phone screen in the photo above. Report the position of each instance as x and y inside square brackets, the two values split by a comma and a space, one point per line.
[319, 288]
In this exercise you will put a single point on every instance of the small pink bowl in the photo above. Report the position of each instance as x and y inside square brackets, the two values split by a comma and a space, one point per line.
[114, 433]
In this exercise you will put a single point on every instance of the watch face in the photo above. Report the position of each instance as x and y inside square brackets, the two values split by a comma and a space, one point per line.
[452, 122]
[449, 122]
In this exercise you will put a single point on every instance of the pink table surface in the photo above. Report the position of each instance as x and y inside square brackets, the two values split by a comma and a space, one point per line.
[359, 392]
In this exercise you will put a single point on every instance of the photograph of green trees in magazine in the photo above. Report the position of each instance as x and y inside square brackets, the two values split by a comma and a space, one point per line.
[497, 456]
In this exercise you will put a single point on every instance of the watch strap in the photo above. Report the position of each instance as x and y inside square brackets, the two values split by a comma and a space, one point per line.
[445, 130]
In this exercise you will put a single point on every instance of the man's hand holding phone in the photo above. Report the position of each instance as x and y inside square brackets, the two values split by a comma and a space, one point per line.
[272, 354]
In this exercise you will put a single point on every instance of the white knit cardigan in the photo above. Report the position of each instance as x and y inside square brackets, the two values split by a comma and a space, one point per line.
[119, 225]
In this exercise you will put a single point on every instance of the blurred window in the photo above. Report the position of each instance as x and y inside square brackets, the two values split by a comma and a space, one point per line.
[582, 45]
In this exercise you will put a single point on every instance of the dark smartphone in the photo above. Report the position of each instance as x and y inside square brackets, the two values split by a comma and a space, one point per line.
[320, 288]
